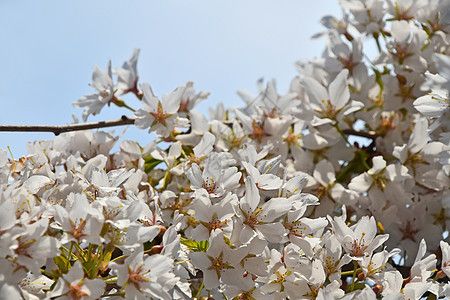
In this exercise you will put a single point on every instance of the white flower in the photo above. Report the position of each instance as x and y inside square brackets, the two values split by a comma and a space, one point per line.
[255, 219]
[359, 240]
[379, 270]
[379, 175]
[214, 179]
[138, 276]
[160, 115]
[332, 258]
[221, 262]
[103, 83]
[190, 99]
[423, 266]
[405, 46]
[282, 282]
[332, 103]
[81, 222]
[10, 276]
[212, 217]
[445, 248]
[263, 180]
[73, 285]
[432, 105]
[34, 248]
[35, 285]
[127, 76]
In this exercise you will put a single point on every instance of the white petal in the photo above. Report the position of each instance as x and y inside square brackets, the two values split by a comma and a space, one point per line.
[194, 174]
[250, 201]
[36, 182]
[316, 92]
[419, 136]
[7, 215]
[171, 102]
[269, 182]
[401, 31]
[378, 165]
[275, 208]
[206, 145]
[431, 105]
[338, 89]
[324, 173]
[149, 100]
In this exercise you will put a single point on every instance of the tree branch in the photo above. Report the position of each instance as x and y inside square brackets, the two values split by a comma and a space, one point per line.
[57, 129]
[367, 134]
[124, 120]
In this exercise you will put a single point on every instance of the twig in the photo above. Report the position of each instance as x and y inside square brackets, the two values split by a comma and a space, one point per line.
[57, 129]
[124, 120]
[367, 134]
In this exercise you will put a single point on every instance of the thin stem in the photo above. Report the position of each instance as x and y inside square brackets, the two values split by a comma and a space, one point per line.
[112, 279]
[342, 134]
[10, 152]
[181, 262]
[351, 272]
[375, 36]
[184, 153]
[130, 108]
[119, 257]
[69, 254]
[47, 273]
[58, 129]
[200, 288]
[355, 264]
[80, 251]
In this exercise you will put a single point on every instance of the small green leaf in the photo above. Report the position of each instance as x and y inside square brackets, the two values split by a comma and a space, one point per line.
[150, 163]
[357, 165]
[356, 286]
[61, 262]
[90, 268]
[194, 245]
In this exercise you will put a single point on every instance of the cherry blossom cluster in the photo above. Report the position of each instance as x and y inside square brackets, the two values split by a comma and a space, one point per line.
[337, 189]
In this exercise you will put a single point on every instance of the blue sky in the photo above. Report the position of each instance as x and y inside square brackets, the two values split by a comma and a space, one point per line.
[52, 46]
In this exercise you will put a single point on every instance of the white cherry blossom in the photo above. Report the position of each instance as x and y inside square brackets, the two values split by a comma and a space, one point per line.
[103, 83]
[160, 115]
[359, 240]
[138, 275]
[221, 262]
[73, 285]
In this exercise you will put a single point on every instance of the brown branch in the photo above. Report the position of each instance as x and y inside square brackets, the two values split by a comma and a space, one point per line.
[367, 134]
[124, 120]
[57, 129]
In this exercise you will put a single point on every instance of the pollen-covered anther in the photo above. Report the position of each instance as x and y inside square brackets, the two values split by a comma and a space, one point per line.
[159, 115]
[210, 185]
[136, 277]
[76, 292]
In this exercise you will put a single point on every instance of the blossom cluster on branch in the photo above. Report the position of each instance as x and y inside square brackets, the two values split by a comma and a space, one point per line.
[338, 189]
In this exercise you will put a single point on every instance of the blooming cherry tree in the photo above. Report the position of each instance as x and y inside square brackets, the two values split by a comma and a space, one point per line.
[337, 189]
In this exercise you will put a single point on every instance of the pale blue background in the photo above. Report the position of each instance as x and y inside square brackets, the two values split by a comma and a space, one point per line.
[49, 48]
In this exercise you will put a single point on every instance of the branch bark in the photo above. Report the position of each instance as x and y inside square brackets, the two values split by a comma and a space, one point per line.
[124, 120]
[57, 129]
[367, 134]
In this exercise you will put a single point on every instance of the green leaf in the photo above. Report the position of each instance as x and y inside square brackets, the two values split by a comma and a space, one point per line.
[90, 268]
[356, 286]
[194, 245]
[61, 263]
[150, 163]
[378, 79]
[357, 165]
